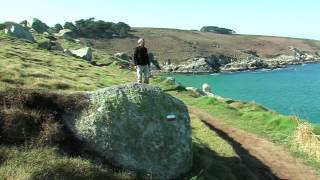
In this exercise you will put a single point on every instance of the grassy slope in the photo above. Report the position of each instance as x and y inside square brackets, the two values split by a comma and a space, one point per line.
[178, 45]
[24, 65]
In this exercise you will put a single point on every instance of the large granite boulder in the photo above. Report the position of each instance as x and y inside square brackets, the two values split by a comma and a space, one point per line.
[84, 53]
[36, 24]
[138, 127]
[18, 31]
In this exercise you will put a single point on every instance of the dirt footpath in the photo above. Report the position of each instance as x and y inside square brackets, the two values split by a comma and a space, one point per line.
[266, 159]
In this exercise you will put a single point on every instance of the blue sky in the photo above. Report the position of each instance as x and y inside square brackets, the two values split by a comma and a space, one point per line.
[293, 18]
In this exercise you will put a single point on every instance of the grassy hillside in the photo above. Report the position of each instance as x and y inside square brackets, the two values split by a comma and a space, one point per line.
[25, 65]
[34, 144]
[178, 45]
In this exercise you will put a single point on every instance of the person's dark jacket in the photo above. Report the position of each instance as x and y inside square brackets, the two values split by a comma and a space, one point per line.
[140, 56]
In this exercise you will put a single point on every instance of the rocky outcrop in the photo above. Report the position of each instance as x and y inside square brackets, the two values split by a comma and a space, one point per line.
[138, 127]
[36, 25]
[18, 31]
[84, 53]
[199, 65]
[252, 62]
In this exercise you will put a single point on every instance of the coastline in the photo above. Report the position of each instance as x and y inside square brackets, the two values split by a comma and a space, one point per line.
[165, 72]
[292, 67]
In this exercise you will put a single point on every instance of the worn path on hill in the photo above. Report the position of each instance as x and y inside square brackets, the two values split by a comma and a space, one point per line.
[264, 158]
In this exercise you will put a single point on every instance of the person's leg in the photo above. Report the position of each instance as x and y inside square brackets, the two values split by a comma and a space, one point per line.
[146, 74]
[139, 74]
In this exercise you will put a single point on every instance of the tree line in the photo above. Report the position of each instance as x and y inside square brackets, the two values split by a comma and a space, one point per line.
[216, 29]
[90, 28]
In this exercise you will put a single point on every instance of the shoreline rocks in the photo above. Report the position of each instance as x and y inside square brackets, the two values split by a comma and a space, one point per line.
[252, 62]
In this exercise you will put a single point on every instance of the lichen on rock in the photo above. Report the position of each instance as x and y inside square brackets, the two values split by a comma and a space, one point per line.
[128, 125]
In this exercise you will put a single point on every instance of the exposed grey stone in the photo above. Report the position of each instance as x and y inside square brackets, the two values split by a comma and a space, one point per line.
[84, 53]
[122, 55]
[18, 31]
[196, 91]
[129, 126]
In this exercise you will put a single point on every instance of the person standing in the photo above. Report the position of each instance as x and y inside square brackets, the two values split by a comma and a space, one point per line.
[142, 62]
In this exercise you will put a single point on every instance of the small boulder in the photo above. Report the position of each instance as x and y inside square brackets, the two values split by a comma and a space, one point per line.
[138, 127]
[122, 56]
[206, 88]
[18, 31]
[65, 33]
[84, 53]
[197, 92]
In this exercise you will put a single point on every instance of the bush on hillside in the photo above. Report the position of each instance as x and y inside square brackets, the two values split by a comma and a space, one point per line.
[70, 25]
[2, 26]
[58, 27]
[90, 28]
[216, 29]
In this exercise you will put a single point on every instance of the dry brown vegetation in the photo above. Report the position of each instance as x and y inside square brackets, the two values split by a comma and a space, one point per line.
[179, 45]
[307, 140]
[35, 116]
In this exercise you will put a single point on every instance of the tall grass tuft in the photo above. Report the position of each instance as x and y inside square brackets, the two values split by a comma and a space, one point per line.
[307, 141]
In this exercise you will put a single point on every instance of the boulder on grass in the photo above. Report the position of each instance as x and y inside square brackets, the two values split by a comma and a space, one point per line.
[138, 127]
[18, 31]
[84, 53]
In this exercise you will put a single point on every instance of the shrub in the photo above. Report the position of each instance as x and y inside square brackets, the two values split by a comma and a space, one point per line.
[216, 29]
[90, 28]
[58, 27]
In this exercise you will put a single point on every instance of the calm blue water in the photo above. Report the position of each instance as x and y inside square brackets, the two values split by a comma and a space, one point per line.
[292, 91]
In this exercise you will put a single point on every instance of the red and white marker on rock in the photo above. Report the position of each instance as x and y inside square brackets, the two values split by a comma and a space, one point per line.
[171, 117]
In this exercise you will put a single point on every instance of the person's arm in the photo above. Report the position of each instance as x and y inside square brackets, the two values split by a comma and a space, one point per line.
[147, 55]
[135, 56]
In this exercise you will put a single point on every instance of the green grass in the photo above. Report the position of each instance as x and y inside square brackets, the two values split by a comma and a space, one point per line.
[248, 116]
[49, 163]
[24, 65]
[214, 158]
[27, 66]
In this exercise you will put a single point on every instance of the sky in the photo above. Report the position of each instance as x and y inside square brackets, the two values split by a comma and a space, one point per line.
[290, 18]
